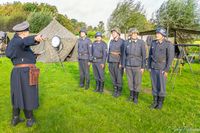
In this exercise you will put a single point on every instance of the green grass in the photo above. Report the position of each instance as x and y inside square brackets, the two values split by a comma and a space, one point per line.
[66, 108]
[197, 42]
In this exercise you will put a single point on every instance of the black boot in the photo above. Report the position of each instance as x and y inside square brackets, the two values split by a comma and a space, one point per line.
[115, 91]
[30, 122]
[82, 83]
[97, 86]
[87, 86]
[30, 119]
[119, 91]
[16, 120]
[101, 87]
[131, 96]
[160, 102]
[155, 102]
[135, 97]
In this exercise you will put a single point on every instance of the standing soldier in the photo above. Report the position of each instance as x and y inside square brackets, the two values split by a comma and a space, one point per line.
[99, 53]
[161, 55]
[115, 60]
[24, 76]
[84, 53]
[134, 62]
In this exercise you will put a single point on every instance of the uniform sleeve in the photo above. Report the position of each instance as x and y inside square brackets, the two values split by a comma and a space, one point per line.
[124, 54]
[104, 53]
[30, 41]
[90, 50]
[149, 58]
[10, 51]
[143, 50]
[170, 57]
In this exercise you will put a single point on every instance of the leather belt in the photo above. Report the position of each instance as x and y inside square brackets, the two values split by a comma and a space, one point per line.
[24, 65]
[115, 53]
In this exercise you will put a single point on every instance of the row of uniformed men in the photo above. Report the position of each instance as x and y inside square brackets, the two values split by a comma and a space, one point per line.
[129, 55]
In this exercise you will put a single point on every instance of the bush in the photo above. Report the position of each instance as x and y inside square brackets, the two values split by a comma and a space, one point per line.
[63, 20]
[7, 22]
[15, 20]
[3, 23]
[39, 20]
[91, 34]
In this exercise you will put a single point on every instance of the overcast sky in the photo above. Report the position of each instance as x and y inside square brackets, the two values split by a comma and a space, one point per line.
[92, 11]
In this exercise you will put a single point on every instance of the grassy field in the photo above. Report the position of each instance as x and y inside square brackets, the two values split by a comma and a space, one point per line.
[197, 42]
[66, 108]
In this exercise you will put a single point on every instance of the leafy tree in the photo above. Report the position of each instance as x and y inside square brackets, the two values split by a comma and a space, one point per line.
[39, 20]
[77, 25]
[65, 22]
[13, 20]
[44, 7]
[129, 14]
[3, 23]
[39, 15]
[101, 27]
[179, 14]
[30, 7]
[91, 33]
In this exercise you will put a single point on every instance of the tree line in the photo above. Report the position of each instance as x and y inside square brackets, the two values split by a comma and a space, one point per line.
[39, 16]
[127, 14]
[171, 14]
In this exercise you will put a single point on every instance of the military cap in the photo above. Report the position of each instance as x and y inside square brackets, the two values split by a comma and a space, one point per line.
[133, 30]
[24, 26]
[98, 34]
[162, 31]
[116, 30]
[83, 30]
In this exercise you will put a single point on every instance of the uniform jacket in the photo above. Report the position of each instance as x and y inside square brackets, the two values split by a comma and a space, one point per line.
[84, 48]
[19, 51]
[161, 55]
[134, 54]
[99, 52]
[117, 47]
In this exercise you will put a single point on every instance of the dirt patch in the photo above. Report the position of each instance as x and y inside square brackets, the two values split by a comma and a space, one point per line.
[147, 90]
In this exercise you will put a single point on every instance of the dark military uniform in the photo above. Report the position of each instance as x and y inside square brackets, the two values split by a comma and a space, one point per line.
[160, 59]
[115, 54]
[134, 61]
[84, 54]
[23, 95]
[99, 54]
